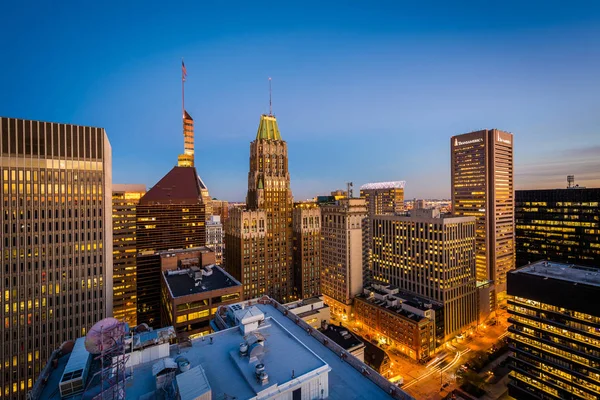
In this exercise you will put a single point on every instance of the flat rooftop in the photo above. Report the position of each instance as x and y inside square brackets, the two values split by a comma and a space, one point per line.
[287, 347]
[342, 336]
[563, 272]
[229, 374]
[183, 282]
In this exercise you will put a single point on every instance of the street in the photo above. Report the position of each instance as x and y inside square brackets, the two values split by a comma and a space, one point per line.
[427, 381]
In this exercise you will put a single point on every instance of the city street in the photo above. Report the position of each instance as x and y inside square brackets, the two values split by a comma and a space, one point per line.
[425, 381]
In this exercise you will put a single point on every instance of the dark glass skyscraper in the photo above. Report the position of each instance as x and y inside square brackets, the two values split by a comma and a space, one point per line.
[56, 246]
[558, 225]
[554, 336]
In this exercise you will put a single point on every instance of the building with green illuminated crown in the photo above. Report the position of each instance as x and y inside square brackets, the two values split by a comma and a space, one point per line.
[258, 239]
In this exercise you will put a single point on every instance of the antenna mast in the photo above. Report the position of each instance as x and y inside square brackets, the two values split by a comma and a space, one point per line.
[270, 99]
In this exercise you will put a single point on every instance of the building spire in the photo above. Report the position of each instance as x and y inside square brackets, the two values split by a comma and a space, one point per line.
[187, 158]
[270, 101]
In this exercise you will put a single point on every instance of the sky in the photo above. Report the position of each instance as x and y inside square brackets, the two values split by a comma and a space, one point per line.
[364, 91]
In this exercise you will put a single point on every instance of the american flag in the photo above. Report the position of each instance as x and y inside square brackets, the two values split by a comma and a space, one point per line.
[183, 71]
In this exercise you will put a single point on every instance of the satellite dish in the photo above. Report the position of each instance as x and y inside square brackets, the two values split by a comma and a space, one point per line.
[104, 335]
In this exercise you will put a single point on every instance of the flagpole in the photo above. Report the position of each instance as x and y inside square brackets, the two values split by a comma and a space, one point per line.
[182, 91]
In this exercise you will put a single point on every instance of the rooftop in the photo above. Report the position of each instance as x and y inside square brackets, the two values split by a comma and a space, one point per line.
[342, 336]
[268, 129]
[232, 376]
[181, 185]
[563, 272]
[184, 282]
[384, 185]
[290, 355]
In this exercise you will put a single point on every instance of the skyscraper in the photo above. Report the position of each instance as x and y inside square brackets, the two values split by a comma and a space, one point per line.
[125, 199]
[307, 250]
[554, 333]
[56, 246]
[482, 187]
[342, 253]
[558, 225]
[258, 240]
[382, 198]
[430, 256]
[172, 215]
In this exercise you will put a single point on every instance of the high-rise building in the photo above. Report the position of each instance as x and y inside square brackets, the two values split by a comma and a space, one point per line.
[558, 225]
[342, 253]
[383, 198]
[258, 240]
[554, 339]
[171, 215]
[125, 199]
[307, 250]
[214, 237]
[433, 257]
[56, 242]
[220, 208]
[482, 187]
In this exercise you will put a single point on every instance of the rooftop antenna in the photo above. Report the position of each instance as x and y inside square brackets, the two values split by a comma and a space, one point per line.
[270, 100]
[570, 181]
[183, 76]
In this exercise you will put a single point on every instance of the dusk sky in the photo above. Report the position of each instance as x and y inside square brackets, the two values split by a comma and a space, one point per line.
[363, 91]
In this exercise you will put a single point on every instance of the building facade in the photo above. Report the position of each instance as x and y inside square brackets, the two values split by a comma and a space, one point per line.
[191, 293]
[342, 253]
[382, 198]
[558, 225]
[386, 320]
[172, 215]
[433, 257]
[554, 337]
[214, 237]
[125, 199]
[306, 221]
[482, 187]
[258, 240]
[56, 246]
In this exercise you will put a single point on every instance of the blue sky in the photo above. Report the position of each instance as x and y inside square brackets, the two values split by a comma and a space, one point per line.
[363, 91]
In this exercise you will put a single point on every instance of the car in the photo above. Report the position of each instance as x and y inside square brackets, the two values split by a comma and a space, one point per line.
[464, 367]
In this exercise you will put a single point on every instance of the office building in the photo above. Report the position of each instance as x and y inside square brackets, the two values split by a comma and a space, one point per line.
[431, 256]
[382, 198]
[558, 225]
[192, 292]
[482, 187]
[258, 239]
[554, 339]
[266, 353]
[56, 242]
[393, 319]
[306, 222]
[220, 208]
[171, 215]
[125, 199]
[214, 237]
[342, 253]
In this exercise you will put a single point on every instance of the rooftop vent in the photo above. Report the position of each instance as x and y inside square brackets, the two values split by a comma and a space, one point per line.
[261, 375]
